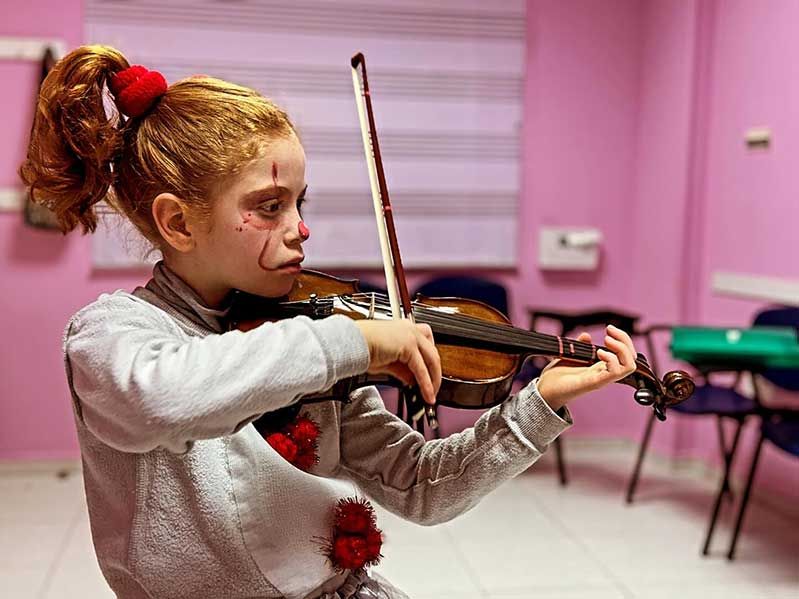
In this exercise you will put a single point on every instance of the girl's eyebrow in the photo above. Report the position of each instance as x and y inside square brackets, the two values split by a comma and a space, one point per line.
[255, 194]
[270, 190]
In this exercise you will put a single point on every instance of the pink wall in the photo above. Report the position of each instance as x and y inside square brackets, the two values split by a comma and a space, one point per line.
[709, 71]
[750, 196]
[579, 155]
[662, 181]
[634, 116]
[46, 276]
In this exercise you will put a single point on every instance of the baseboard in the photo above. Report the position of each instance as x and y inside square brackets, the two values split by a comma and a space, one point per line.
[37, 466]
[688, 467]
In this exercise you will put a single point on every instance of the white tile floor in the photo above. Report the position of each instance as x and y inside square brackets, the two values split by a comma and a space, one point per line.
[531, 538]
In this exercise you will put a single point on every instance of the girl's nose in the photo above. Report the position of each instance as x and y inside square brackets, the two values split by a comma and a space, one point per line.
[304, 231]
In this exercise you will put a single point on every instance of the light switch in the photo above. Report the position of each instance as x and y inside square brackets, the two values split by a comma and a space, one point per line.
[568, 248]
[758, 137]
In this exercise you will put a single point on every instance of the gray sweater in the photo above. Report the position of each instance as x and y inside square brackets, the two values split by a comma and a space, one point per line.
[186, 499]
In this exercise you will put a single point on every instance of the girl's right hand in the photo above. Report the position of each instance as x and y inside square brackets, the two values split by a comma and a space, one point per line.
[404, 350]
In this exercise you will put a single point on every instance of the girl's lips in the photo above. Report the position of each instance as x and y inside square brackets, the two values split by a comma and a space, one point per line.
[296, 262]
[295, 267]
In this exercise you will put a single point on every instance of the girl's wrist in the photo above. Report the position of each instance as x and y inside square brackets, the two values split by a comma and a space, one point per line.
[550, 396]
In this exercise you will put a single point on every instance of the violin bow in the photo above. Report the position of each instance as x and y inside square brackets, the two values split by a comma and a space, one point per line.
[396, 285]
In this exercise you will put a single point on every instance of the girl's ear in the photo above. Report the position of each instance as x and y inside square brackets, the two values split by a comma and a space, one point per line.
[171, 216]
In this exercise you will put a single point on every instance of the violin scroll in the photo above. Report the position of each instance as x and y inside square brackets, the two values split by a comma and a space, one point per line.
[678, 386]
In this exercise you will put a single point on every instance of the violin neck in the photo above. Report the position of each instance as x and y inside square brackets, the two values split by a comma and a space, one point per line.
[458, 330]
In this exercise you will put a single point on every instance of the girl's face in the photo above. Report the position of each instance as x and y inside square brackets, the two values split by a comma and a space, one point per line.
[255, 236]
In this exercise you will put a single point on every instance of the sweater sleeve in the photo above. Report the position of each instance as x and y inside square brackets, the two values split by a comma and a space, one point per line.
[429, 482]
[139, 383]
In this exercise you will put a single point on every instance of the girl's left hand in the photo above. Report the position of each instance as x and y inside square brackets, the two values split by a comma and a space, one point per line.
[562, 381]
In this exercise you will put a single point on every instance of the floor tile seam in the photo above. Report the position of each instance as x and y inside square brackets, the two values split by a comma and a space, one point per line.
[461, 557]
[606, 570]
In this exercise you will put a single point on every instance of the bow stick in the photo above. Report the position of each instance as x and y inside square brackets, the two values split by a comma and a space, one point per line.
[399, 299]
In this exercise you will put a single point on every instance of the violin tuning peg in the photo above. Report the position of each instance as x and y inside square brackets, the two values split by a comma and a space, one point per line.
[660, 414]
[644, 396]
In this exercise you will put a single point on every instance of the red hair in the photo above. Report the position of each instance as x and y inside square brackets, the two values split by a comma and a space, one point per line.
[198, 133]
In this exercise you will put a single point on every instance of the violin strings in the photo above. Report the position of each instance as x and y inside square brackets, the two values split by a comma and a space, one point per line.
[482, 325]
[515, 339]
[464, 325]
[477, 325]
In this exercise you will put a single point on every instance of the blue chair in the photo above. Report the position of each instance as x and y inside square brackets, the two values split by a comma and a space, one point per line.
[366, 287]
[475, 288]
[722, 402]
[779, 426]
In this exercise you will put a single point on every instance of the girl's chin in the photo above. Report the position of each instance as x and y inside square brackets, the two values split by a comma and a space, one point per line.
[272, 283]
[277, 287]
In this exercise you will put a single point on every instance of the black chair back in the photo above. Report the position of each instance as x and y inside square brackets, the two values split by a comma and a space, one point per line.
[475, 288]
[781, 317]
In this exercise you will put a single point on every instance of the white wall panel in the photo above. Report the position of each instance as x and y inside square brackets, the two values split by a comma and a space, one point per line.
[447, 85]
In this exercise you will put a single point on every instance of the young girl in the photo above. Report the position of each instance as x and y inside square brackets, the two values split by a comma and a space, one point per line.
[185, 497]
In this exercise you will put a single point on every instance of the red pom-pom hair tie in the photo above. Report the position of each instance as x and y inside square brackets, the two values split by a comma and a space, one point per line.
[136, 89]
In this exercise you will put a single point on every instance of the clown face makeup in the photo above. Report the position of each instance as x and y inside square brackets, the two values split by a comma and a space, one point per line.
[254, 241]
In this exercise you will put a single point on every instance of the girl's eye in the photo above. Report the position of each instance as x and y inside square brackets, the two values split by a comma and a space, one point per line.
[300, 203]
[272, 207]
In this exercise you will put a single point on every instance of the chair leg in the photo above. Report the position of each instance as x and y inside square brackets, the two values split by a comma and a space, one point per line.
[561, 462]
[725, 455]
[640, 459]
[725, 484]
[400, 405]
[745, 497]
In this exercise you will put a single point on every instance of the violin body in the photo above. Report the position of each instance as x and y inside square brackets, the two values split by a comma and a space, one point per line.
[481, 352]
[471, 377]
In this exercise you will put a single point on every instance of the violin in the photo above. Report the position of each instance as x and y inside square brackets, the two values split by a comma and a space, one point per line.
[481, 351]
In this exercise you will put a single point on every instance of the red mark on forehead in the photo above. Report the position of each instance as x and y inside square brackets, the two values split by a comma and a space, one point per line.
[274, 174]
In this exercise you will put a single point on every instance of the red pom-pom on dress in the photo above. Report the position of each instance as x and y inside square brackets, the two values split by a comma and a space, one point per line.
[356, 541]
[284, 445]
[297, 442]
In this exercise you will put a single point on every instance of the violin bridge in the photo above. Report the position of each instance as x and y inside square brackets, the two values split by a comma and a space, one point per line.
[372, 307]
